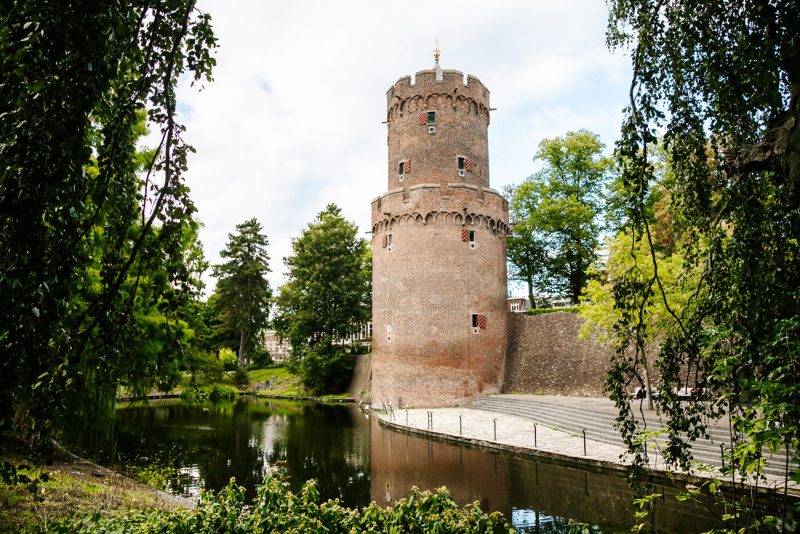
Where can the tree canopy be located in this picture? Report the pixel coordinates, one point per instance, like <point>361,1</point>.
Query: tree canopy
<point>83,237</point>
<point>327,295</point>
<point>720,82</point>
<point>242,285</point>
<point>555,215</point>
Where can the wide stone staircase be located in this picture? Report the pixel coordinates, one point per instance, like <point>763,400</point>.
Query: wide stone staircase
<point>597,418</point>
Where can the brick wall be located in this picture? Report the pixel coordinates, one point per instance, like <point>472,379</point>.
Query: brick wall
<point>544,355</point>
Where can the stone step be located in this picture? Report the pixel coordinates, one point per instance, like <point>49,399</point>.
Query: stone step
<point>718,433</point>
<point>599,425</point>
<point>585,418</point>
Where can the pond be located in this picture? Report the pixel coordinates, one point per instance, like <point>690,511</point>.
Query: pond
<point>356,460</point>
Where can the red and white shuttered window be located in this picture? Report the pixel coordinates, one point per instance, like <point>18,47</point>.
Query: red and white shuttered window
<point>468,236</point>
<point>479,322</point>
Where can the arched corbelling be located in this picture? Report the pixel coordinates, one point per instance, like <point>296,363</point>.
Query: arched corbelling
<point>438,101</point>
<point>496,226</point>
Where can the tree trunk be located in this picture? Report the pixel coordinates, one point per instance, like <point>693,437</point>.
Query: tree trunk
<point>529,280</point>
<point>244,338</point>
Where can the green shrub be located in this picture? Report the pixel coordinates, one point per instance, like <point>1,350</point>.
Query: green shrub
<point>191,394</point>
<point>240,377</point>
<point>327,369</point>
<point>217,392</point>
<point>261,359</point>
<point>277,509</point>
<point>213,393</point>
<point>228,359</point>
<point>540,311</point>
<point>155,476</point>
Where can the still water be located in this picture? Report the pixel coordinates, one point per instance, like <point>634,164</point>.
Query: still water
<point>356,460</point>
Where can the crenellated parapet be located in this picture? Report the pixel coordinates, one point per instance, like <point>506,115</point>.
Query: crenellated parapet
<point>451,94</point>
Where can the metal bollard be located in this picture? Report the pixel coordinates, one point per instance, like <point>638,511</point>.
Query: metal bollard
<point>495,429</point>
<point>584,442</point>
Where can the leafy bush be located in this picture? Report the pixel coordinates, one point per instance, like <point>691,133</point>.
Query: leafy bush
<point>261,358</point>
<point>240,377</point>
<point>540,311</point>
<point>216,392</point>
<point>155,476</point>
<point>228,359</point>
<point>276,509</point>
<point>213,393</point>
<point>327,368</point>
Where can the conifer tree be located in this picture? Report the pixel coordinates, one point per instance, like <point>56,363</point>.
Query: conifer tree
<point>242,285</point>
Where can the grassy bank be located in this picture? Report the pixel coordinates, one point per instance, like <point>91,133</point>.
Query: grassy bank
<point>74,487</point>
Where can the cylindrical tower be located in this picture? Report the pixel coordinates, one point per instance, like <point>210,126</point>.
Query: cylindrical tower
<point>438,248</point>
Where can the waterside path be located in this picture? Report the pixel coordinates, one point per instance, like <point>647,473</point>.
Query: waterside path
<point>553,427</point>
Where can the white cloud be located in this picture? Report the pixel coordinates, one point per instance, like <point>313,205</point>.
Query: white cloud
<point>292,121</point>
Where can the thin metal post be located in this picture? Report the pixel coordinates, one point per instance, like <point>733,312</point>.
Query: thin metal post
<point>406,416</point>
<point>495,429</point>
<point>534,435</point>
<point>459,425</point>
<point>722,453</point>
<point>584,442</point>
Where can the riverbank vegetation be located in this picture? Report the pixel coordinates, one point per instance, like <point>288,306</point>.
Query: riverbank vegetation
<point>88,506</point>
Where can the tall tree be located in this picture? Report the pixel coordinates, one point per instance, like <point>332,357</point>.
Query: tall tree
<point>72,79</point>
<point>721,80</point>
<point>556,214</point>
<point>242,284</point>
<point>327,295</point>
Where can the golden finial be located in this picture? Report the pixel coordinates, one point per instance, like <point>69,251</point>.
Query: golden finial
<point>436,51</point>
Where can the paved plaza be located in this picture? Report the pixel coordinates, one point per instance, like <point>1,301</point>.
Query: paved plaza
<point>526,435</point>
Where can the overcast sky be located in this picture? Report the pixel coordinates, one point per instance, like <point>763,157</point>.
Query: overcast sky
<point>293,118</point>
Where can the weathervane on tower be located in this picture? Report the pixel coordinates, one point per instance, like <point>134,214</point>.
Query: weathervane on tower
<point>436,54</point>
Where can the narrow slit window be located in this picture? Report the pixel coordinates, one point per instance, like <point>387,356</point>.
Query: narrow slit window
<point>431,118</point>
<point>389,240</point>
<point>474,320</point>
<point>472,236</point>
<point>402,169</point>
<point>460,163</point>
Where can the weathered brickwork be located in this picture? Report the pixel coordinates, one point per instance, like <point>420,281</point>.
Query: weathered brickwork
<point>544,355</point>
<point>438,249</point>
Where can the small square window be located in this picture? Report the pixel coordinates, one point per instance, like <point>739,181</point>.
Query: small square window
<point>431,118</point>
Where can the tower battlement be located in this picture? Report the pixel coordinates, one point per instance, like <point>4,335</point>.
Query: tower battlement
<point>427,81</point>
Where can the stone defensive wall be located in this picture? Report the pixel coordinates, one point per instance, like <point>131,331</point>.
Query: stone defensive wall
<point>545,355</point>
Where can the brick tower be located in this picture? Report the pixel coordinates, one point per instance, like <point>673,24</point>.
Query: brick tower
<point>438,248</point>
